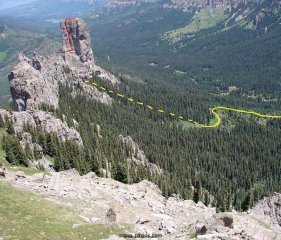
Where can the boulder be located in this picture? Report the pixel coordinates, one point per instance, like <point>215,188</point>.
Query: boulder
<point>224,219</point>
<point>200,228</point>
<point>219,221</point>
<point>44,164</point>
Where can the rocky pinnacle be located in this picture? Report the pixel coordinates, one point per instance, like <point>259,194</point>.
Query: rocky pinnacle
<point>77,40</point>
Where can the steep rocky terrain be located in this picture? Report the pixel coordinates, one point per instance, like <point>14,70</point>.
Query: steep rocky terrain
<point>36,81</point>
<point>45,121</point>
<point>138,156</point>
<point>141,206</point>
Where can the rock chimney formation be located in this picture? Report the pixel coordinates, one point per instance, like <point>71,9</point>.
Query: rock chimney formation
<point>35,81</point>
<point>76,47</point>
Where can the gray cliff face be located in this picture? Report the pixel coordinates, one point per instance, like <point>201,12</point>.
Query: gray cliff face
<point>44,120</point>
<point>138,156</point>
<point>31,85</point>
<point>35,81</point>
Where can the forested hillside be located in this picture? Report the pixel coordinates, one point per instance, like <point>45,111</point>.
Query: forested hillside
<point>219,64</point>
<point>223,159</point>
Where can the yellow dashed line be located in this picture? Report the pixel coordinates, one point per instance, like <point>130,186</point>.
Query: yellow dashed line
<point>213,110</point>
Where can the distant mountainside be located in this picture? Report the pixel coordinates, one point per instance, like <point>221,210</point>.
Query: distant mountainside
<point>13,40</point>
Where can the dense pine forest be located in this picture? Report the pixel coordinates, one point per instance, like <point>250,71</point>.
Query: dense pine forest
<point>238,161</point>
<point>228,167</point>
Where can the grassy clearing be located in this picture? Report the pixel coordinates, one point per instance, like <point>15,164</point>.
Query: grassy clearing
<point>186,125</point>
<point>24,215</point>
<point>207,18</point>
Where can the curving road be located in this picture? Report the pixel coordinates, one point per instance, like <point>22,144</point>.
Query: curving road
<point>213,110</point>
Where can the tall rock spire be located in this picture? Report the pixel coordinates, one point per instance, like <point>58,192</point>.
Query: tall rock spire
<point>77,41</point>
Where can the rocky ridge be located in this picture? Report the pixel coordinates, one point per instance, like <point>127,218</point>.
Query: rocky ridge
<point>44,120</point>
<point>247,13</point>
<point>270,210</point>
<point>103,200</point>
<point>138,156</point>
<point>35,81</point>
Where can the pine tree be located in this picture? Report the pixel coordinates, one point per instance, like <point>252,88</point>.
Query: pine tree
<point>10,128</point>
<point>121,173</point>
<point>14,151</point>
<point>2,122</point>
<point>206,198</point>
<point>35,152</point>
<point>248,201</point>
<point>189,189</point>
<point>197,196</point>
<point>28,152</point>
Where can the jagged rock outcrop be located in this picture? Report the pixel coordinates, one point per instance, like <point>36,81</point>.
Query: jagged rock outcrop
<point>269,209</point>
<point>35,81</point>
<point>46,121</point>
<point>32,84</point>
<point>142,207</point>
<point>77,39</point>
<point>138,156</point>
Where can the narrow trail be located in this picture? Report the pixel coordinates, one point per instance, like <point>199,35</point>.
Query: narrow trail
<point>214,110</point>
